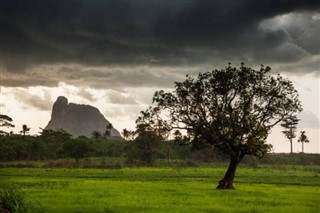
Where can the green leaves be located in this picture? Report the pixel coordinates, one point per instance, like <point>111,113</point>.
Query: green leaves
<point>14,200</point>
<point>232,108</point>
<point>303,138</point>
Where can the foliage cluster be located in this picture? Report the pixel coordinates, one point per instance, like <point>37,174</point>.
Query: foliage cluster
<point>36,151</point>
<point>14,200</point>
<point>145,149</point>
<point>5,121</point>
<point>52,144</point>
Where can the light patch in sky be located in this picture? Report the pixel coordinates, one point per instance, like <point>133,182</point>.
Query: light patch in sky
<point>282,144</point>
<point>316,17</point>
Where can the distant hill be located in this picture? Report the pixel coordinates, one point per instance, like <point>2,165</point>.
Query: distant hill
<point>78,119</point>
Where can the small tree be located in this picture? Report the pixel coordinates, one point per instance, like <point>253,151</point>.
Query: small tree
<point>290,125</point>
<point>159,128</point>
<point>232,109</point>
<point>145,146</point>
<point>107,133</point>
<point>96,135</point>
<point>303,139</point>
<point>25,129</point>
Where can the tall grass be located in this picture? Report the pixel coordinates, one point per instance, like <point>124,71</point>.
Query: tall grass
<point>14,200</point>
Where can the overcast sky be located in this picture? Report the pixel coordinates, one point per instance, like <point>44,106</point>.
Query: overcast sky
<point>115,54</point>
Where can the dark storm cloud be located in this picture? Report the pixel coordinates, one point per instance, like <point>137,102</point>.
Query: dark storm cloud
<point>157,33</point>
<point>117,77</point>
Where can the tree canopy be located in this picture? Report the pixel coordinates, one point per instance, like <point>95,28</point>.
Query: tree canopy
<point>5,121</point>
<point>290,127</point>
<point>303,139</point>
<point>25,129</point>
<point>232,109</point>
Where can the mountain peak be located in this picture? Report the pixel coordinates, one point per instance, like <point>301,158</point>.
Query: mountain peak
<point>63,100</point>
<point>78,119</point>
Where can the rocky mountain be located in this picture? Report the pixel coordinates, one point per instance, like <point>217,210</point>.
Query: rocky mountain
<point>78,119</point>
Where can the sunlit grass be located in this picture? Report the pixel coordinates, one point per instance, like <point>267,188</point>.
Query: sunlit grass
<point>167,189</point>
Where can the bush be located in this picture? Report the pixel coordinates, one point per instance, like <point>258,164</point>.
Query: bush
<point>14,200</point>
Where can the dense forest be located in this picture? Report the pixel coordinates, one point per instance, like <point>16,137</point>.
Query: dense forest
<point>59,148</point>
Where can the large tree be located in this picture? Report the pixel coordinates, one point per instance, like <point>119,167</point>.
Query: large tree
<point>232,109</point>
<point>145,147</point>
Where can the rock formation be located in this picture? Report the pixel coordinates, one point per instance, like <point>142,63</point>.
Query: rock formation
<point>78,119</point>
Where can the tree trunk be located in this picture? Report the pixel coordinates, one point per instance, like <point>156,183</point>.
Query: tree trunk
<point>227,180</point>
<point>291,139</point>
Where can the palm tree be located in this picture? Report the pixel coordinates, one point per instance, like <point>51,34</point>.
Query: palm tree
<point>25,129</point>
<point>303,139</point>
<point>107,133</point>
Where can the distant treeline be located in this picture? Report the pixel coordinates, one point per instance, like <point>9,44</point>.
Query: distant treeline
<point>52,145</point>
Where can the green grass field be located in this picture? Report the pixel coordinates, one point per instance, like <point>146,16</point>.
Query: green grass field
<point>281,189</point>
